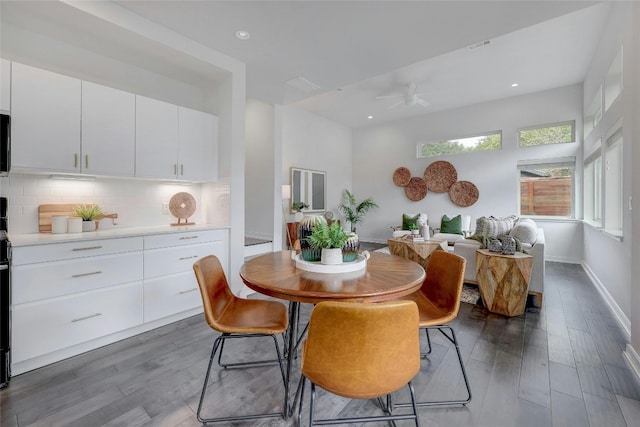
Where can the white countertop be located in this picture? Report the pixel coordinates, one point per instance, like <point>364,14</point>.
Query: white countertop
<point>45,238</point>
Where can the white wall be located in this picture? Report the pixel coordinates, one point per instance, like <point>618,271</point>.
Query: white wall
<point>259,170</point>
<point>608,259</point>
<point>634,351</point>
<point>380,150</point>
<point>313,142</point>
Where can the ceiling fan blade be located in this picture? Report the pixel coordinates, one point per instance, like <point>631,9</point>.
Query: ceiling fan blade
<point>422,102</point>
<point>395,105</point>
<point>389,96</point>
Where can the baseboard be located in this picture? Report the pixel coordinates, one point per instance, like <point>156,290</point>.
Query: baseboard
<point>622,319</point>
<point>633,359</point>
<point>564,260</point>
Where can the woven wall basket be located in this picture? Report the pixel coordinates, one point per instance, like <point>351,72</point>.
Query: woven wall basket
<point>440,176</point>
<point>463,193</point>
<point>416,189</point>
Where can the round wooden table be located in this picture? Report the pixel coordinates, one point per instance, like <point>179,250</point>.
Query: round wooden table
<point>385,277</point>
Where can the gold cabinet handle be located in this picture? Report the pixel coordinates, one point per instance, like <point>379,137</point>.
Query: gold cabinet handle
<point>86,161</point>
<point>79,319</point>
<point>187,257</point>
<point>182,169</point>
<point>75,160</point>
<point>188,237</point>
<point>175,169</point>
<point>187,291</point>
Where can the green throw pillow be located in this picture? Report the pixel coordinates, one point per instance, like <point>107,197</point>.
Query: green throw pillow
<point>410,221</point>
<point>451,226</point>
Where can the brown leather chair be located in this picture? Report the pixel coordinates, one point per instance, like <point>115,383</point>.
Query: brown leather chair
<point>361,351</point>
<point>236,318</point>
<point>438,302</point>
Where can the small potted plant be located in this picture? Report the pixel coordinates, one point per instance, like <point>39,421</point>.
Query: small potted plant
<point>331,239</point>
<point>89,214</point>
<point>413,228</point>
<point>297,207</point>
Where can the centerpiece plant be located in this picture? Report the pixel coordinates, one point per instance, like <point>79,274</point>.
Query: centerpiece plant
<point>331,239</point>
<point>88,213</point>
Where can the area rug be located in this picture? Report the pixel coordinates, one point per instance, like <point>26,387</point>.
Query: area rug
<point>470,293</point>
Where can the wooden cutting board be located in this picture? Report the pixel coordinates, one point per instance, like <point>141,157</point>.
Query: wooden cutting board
<point>45,212</point>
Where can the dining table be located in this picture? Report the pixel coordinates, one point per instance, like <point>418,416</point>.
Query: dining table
<point>384,277</point>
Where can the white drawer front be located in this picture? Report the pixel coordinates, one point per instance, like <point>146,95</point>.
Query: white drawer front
<point>189,238</point>
<point>68,250</point>
<point>46,326</point>
<point>178,259</point>
<point>34,282</point>
<point>169,295</point>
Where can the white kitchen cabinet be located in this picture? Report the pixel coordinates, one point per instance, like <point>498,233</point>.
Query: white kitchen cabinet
<point>65,294</point>
<point>197,145</point>
<point>170,285</point>
<point>108,131</point>
<point>45,120</point>
<point>156,139</point>
<point>5,85</point>
<point>53,324</point>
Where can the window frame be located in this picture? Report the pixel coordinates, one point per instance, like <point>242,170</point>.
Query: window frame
<point>419,145</point>
<point>613,204</point>
<point>572,123</point>
<point>549,163</point>
<point>592,199</point>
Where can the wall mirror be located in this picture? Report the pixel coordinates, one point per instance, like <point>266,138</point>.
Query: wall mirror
<point>309,186</point>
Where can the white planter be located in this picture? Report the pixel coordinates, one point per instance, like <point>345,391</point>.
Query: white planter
<point>331,256</point>
<point>88,226</point>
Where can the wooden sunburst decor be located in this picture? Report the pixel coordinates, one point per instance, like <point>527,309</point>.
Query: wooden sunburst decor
<point>182,206</point>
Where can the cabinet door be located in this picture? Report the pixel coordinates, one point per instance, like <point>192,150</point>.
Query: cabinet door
<point>45,120</point>
<point>108,131</point>
<point>156,139</point>
<point>197,145</point>
<point>5,85</point>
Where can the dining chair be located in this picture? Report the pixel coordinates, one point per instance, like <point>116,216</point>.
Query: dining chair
<point>236,318</point>
<point>438,301</point>
<point>361,351</point>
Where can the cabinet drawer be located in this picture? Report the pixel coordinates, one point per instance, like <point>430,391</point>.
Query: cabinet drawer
<point>169,295</point>
<point>178,259</point>
<point>34,282</point>
<point>178,239</point>
<point>46,326</point>
<point>69,250</point>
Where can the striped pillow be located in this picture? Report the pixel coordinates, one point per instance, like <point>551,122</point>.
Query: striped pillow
<point>494,227</point>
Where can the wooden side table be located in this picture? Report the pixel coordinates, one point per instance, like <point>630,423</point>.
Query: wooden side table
<point>503,281</point>
<point>416,251</point>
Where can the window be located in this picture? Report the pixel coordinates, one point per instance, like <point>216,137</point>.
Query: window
<point>613,203</point>
<point>485,142</point>
<point>613,81</point>
<point>593,188</point>
<point>557,133</point>
<point>593,112</point>
<point>546,187</point>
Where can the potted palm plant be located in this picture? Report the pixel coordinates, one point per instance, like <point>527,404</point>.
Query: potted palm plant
<point>353,211</point>
<point>331,239</point>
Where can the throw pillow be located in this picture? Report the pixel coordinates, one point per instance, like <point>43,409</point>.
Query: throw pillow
<point>409,222</point>
<point>451,225</point>
<point>525,230</point>
<point>494,226</point>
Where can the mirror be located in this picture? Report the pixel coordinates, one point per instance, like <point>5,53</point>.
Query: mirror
<point>309,186</point>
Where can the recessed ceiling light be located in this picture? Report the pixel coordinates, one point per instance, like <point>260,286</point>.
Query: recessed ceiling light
<point>370,117</point>
<point>514,85</point>
<point>242,35</point>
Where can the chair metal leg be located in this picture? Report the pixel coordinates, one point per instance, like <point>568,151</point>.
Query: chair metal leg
<point>462,402</point>
<point>424,355</point>
<point>244,364</point>
<point>217,345</point>
<point>387,408</point>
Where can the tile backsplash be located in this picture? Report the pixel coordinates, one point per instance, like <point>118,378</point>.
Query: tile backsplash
<point>137,202</point>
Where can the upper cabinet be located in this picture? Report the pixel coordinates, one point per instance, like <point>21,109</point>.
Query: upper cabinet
<point>5,85</point>
<point>62,124</point>
<point>197,145</point>
<point>175,142</point>
<point>45,120</point>
<point>108,130</point>
<point>156,138</point>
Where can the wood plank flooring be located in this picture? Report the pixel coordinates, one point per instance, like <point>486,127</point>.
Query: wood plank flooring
<point>559,366</point>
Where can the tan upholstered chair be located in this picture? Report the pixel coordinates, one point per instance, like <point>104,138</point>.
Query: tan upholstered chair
<point>361,351</point>
<point>438,302</point>
<point>236,318</point>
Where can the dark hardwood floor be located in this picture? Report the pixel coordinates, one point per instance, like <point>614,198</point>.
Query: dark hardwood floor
<point>560,366</point>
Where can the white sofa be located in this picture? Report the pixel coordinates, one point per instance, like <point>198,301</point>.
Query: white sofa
<point>452,238</point>
<point>467,248</point>
<point>423,226</point>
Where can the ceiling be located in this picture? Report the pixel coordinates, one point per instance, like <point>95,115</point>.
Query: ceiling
<point>354,51</point>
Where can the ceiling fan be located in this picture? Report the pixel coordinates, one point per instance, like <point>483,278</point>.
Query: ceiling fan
<point>409,99</point>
